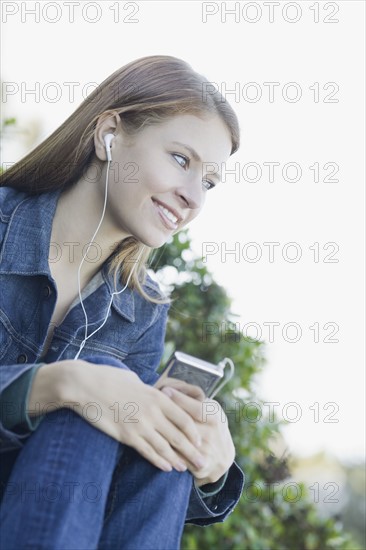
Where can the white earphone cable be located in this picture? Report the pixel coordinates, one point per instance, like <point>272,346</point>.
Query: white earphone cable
<point>113,293</point>
<point>226,379</point>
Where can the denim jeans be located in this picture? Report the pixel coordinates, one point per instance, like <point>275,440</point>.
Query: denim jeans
<point>73,487</point>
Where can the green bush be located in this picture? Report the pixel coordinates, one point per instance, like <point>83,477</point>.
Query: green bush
<point>274,513</point>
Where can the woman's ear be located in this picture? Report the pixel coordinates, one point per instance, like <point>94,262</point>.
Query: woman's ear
<point>109,122</point>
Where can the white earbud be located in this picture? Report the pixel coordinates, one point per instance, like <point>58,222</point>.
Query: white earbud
<point>107,140</point>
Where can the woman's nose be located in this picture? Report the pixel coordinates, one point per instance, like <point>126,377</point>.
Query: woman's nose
<point>192,193</point>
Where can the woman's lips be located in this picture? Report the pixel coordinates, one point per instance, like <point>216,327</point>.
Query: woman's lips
<point>169,224</point>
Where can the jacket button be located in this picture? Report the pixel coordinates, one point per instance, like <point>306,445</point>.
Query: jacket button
<point>22,358</point>
<point>46,291</point>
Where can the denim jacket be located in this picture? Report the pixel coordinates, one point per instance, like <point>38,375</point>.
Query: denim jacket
<point>133,334</point>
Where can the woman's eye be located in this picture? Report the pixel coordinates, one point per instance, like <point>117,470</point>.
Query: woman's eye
<point>184,163</point>
<point>208,184</point>
<point>185,160</point>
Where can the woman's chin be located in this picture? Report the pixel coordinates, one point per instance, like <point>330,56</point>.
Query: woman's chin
<point>159,243</point>
<point>155,242</point>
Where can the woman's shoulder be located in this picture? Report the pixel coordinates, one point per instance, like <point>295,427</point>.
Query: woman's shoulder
<point>9,200</point>
<point>152,287</point>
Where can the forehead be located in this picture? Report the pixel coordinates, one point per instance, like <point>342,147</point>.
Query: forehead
<point>208,136</point>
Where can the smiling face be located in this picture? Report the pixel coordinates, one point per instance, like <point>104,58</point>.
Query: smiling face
<point>159,179</point>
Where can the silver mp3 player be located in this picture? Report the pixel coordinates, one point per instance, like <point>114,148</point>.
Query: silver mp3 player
<point>193,371</point>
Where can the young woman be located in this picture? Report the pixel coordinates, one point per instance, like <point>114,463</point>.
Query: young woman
<point>94,453</point>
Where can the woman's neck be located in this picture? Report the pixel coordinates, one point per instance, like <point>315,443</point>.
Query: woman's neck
<point>78,213</point>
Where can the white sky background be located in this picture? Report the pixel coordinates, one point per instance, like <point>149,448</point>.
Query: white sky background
<point>303,132</point>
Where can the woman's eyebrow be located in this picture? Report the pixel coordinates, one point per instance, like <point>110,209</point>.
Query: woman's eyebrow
<point>196,157</point>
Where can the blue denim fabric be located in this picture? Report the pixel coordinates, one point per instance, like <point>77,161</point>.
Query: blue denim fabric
<point>75,488</point>
<point>132,337</point>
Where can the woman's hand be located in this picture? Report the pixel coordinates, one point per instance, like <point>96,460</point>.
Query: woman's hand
<point>118,403</point>
<point>217,444</point>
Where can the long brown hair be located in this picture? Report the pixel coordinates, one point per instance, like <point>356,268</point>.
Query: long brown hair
<point>146,91</point>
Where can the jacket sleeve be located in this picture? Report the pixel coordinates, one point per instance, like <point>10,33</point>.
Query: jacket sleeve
<point>14,409</point>
<point>216,508</point>
<point>14,379</point>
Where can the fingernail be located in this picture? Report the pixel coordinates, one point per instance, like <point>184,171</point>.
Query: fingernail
<point>200,462</point>
<point>181,467</point>
<point>168,391</point>
<point>166,467</point>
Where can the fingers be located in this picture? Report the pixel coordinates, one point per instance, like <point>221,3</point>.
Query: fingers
<point>192,406</point>
<point>179,430</point>
<point>180,445</point>
<point>160,449</point>
<point>145,449</point>
<point>160,427</point>
<point>182,419</point>
<point>188,389</point>
<point>164,427</point>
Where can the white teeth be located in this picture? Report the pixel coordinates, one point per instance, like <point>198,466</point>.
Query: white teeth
<point>168,214</point>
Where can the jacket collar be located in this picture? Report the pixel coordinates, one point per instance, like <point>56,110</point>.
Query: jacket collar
<point>26,242</point>
<point>124,303</point>
<point>26,246</point>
